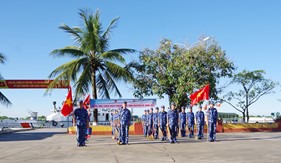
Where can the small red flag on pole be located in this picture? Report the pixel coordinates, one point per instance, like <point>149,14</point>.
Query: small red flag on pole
<point>67,107</point>
<point>86,102</point>
<point>202,94</point>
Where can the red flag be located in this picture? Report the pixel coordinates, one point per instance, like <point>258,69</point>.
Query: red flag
<point>202,94</point>
<point>67,107</point>
<point>86,102</point>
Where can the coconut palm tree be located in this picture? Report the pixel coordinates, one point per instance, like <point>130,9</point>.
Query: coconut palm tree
<point>3,99</point>
<point>94,65</point>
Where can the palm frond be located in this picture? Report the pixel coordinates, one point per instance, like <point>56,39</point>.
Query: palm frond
<point>124,51</point>
<point>2,58</point>
<point>75,32</point>
<point>113,56</point>
<point>67,71</point>
<point>107,33</point>
<point>105,37</point>
<point>4,100</point>
<point>118,72</point>
<point>72,51</point>
<point>134,65</point>
<point>83,83</point>
<point>112,85</point>
<point>70,68</point>
<point>57,80</point>
<point>102,86</point>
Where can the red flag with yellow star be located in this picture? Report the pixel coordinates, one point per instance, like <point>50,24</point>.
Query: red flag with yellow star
<point>86,102</point>
<point>67,107</point>
<point>202,94</point>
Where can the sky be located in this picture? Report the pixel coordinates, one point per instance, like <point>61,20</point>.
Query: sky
<point>248,31</point>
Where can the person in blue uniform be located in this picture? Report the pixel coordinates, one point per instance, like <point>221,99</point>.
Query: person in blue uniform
<point>200,121</point>
<point>183,121</point>
<point>145,123</point>
<point>212,121</point>
<point>125,121</point>
<point>163,122</point>
<point>156,123</point>
<point>173,117</point>
<point>118,128</point>
<point>190,121</point>
<point>150,121</point>
<point>115,124</point>
<point>89,130</point>
<point>112,124</point>
<point>81,121</point>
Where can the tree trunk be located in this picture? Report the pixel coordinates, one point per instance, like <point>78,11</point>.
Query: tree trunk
<point>247,114</point>
<point>246,107</point>
<point>243,116</point>
<point>94,94</point>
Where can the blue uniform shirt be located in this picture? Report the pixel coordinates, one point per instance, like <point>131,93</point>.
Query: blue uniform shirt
<point>163,118</point>
<point>125,117</point>
<point>190,118</point>
<point>144,119</point>
<point>81,116</point>
<point>213,115</point>
<point>156,118</point>
<point>182,117</point>
<point>200,117</point>
<point>173,117</point>
<point>116,117</point>
<point>150,118</point>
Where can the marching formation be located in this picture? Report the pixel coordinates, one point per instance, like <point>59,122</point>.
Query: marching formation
<point>172,122</point>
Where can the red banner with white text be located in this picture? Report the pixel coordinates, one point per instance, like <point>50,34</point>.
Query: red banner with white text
<point>30,84</point>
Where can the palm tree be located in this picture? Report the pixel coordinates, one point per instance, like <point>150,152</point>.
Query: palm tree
<point>3,99</point>
<point>94,65</point>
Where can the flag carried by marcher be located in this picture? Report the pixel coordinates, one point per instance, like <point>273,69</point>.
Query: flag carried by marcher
<point>202,94</point>
<point>67,107</point>
<point>86,102</point>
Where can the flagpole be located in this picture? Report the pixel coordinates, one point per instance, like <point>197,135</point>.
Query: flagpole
<point>68,121</point>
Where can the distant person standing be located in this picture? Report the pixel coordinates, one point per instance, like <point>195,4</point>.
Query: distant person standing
<point>163,122</point>
<point>200,121</point>
<point>190,121</point>
<point>173,117</point>
<point>115,120</point>
<point>112,123</point>
<point>156,123</point>
<point>183,122</point>
<point>150,122</point>
<point>125,120</point>
<point>117,124</point>
<point>80,119</point>
<point>145,123</point>
<point>89,129</point>
<point>212,121</point>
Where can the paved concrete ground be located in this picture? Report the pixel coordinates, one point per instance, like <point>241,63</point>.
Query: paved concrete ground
<point>54,145</point>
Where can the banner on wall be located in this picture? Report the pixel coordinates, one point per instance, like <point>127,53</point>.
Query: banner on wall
<point>29,84</point>
<point>117,103</point>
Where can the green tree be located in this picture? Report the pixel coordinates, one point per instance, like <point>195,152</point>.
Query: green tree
<point>253,86</point>
<point>3,117</point>
<point>94,65</point>
<point>3,99</point>
<point>41,118</point>
<point>177,72</point>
